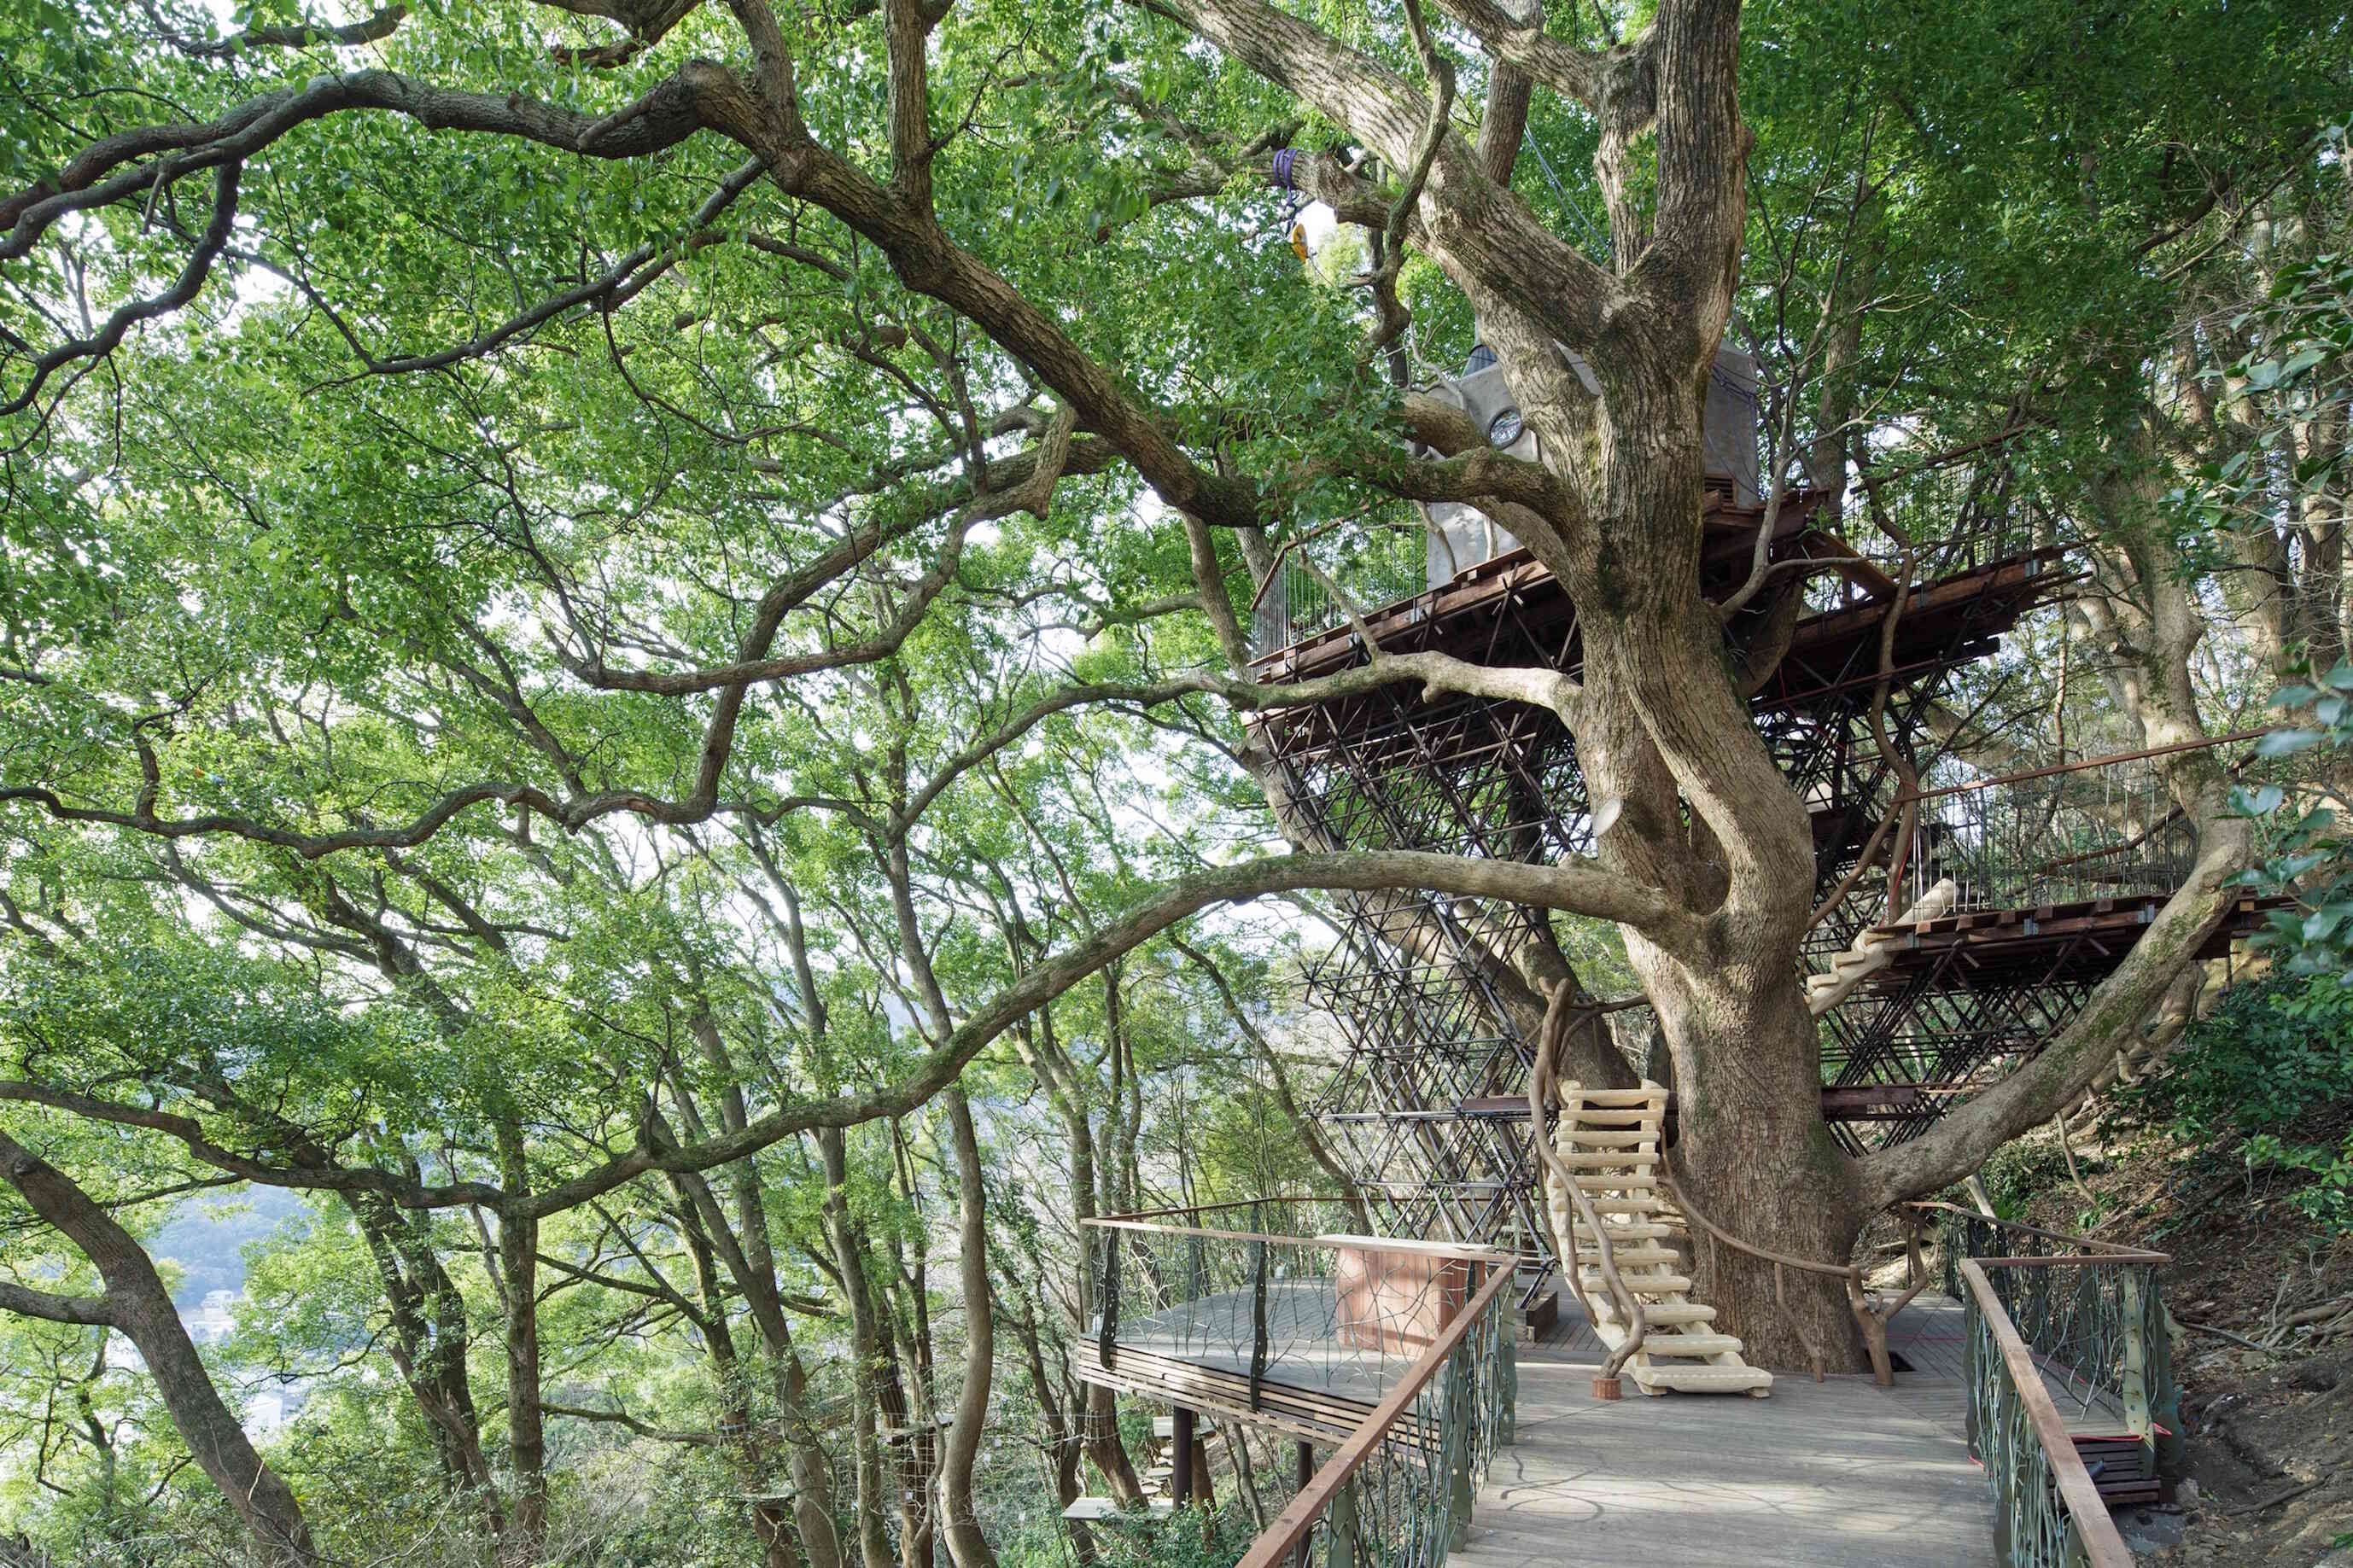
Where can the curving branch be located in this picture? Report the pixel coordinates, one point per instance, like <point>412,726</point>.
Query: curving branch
<point>191,1135</point>
<point>370,30</point>
<point>1524,45</point>
<point>615,286</point>
<point>2059,1073</point>
<point>100,343</point>
<point>130,163</point>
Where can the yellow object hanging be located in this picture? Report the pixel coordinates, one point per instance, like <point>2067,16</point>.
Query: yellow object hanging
<point>1299,239</point>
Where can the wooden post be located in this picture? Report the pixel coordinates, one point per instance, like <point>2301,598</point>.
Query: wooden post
<point>1305,1471</point>
<point>1180,1457</point>
<point>2132,1299</point>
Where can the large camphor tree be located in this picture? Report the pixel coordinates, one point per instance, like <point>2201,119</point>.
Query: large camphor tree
<point>455,453</point>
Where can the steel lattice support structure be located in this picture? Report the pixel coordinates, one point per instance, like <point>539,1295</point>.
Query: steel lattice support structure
<point>1423,1105</point>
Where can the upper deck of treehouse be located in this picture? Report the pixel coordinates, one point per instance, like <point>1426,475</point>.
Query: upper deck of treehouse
<point>1511,610</point>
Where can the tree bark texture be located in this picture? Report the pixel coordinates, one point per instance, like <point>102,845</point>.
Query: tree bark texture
<point>137,1303</point>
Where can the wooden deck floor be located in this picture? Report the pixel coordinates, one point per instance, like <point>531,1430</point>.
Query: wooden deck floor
<point>1834,1473</point>
<point>1930,1337</point>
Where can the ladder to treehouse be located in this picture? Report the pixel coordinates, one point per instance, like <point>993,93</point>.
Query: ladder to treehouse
<point>1610,1139</point>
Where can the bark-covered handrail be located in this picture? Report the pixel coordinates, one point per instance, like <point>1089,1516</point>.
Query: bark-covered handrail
<point>2112,1251</point>
<point>1870,1315</point>
<point>1560,1004</point>
<point>1781,1261</point>
<point>2084,765</point>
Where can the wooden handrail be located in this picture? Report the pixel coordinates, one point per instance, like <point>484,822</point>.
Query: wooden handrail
<point>1460,1251</point>
<point>2086,1510</point>
<point>1292,1526</point>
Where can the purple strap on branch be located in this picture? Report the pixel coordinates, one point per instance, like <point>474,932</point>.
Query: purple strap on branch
<point>1282,160</point>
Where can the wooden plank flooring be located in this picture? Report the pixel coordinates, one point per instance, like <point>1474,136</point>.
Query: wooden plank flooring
<point>1932,1335</point>
<point>1835,1473</point>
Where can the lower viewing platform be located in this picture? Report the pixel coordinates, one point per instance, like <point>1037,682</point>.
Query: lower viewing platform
<point>1430,1423</point>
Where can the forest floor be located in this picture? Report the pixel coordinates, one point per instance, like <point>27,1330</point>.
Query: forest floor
<point>2263,1350</point>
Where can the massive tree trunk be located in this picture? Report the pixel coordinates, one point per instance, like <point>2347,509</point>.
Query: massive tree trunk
<point>137,1303</point>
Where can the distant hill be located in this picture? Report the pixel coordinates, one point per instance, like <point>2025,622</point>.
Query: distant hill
<point>205,1237</point>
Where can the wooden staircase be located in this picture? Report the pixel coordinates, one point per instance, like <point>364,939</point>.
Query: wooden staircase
<point>1871,950</point>
<point>1609,1138</point>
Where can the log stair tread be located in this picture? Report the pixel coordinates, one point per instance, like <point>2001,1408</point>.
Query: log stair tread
<point>1610,1139</point>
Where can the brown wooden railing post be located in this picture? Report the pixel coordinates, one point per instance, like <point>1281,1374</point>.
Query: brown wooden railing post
<point>1107,1332</point>
<point>1258,1315</point>
<point>1180,1459</point>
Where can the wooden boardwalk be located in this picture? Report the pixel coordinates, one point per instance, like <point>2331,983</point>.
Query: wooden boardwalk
<point>1838,1472</point>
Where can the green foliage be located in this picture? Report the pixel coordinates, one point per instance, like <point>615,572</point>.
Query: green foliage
<point>2300,359</point>
<point>2268,1081</point>
<point>2304,855</point>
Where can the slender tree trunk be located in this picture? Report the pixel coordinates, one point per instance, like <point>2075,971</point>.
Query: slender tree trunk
<point>518,1261</point>
<point>849,1257</point>
<point>749,1255</point>
<point>1099,1424</point>
<point>1066,1454</point>
<point>429,1343</point>
<point>137,1302</point>
<point>966,1544</point>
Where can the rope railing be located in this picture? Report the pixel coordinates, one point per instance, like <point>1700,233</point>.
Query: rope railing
<point>1872,1312</point>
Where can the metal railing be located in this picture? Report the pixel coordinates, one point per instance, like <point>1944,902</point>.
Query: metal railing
<point>2047,1509</point>
<point>2066,1340</point>
<point>2098,827</point>
<point>1308,1324</point>
<point>2092,1311</point>
<point>1398,1492</point>
<point>1295,599</point>
<point>1401,1350</point>
<point>1948,517</point>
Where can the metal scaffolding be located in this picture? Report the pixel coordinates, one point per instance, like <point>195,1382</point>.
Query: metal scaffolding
<point>1423,1105</point>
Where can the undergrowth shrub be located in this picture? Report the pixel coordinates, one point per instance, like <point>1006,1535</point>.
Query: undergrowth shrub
<point>2268,1080</point>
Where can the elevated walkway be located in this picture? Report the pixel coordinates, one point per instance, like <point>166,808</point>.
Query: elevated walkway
<point>1838,1472</point>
